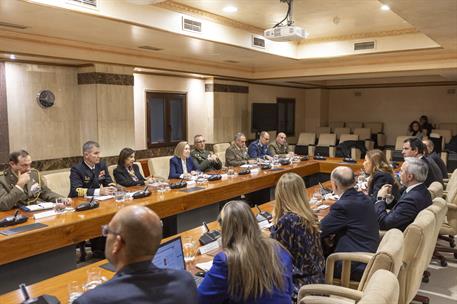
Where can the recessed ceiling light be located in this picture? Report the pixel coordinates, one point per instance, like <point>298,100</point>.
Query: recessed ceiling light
<point>385,7</point>
<point>13,57</point>
<point>230,9</point>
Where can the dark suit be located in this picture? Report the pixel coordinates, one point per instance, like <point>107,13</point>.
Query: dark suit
<point>123,177</point>
<point>406,209</point>
<point>434,172</point>
<point>84,181</point>
<point>353,219</point>
<point>176,167</point>
<point>380,179</point>
<point>142,283</point>
<point>440,163</point>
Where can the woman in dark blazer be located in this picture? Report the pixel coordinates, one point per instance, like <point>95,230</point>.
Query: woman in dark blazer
<point>381,173</point>
<point>127,173</point>
<point>181,164</point>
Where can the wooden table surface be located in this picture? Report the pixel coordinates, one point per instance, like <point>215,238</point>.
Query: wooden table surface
<point>58,285</point>
<point>73,227</point>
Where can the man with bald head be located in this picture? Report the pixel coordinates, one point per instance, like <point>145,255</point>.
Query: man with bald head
<point>259,148</point>
<point>132,239</point>
<point>279,147</point>
<point>352,219</point>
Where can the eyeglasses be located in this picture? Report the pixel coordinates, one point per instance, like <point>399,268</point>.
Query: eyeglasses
<point>106,230</point>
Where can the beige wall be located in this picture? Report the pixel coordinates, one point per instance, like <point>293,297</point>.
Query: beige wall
<point>81,112</point>
<point>199,107</point>
<point>395,107</point>
<point>45,133</point>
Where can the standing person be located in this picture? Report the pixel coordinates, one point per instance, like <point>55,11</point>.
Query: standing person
<point>127,173</point>
<point>252,268</point>
<point>133,237</point>
<point>296,227</point>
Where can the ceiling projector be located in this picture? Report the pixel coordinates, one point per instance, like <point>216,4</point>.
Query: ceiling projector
<point>285,33</point>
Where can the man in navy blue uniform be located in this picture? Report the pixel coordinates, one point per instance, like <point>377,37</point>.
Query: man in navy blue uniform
<point>90,176</point>
<point>415,198</point>
<point>259,148</point>
<point>352,219</point>
<point>133,237</point>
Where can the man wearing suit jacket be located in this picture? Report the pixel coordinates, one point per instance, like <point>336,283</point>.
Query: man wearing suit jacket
<point>352,219</point>
<point>133,237</point>
<point>430,147</point>
<point>415,198</point>
<point>413,147</point>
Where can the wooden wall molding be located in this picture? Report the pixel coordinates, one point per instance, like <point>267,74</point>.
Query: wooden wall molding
<point>4,134</point>
<point>226,88</point>
<point>105,78</point>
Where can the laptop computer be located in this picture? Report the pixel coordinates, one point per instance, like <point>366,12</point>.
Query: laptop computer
<point>169,255</point>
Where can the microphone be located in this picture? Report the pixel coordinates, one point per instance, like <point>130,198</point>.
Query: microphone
<point>209,236</point>
<point>263,215</point>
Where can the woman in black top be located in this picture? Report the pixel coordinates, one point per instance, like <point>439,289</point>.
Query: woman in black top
<point>127,173</point>
<point>415,129</point>
<point>425,125</point>
<point>380,173</point>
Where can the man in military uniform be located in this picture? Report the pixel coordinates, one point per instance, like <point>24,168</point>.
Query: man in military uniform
<point>22,185</point>
<point>280,146</point>
<point>90,177</point>
<point>237,154</point>
<point>259,147</point>
<point>204,159</point>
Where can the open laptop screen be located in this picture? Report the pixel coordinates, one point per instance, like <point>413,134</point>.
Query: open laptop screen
<point>170,255</point>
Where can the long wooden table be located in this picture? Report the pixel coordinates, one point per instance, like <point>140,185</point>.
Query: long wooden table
<point>58,286</point>
<point>70,228</point>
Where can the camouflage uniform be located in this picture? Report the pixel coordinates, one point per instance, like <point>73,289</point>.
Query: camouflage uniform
<point>277,149</point>
<point>33,192</point>
<point>200,158</point>
<point>235,156</point>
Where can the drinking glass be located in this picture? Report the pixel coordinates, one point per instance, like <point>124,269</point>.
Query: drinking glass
<point>75,289</point>
<point>119,196</point>
<point>316,199</point>
<point>230,172</point>
<point>60,205</point>
<point>190,249</point>
<point>94,278</point>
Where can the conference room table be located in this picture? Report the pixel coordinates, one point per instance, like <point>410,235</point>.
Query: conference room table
<point>35,255</point>
<point>58,285</point>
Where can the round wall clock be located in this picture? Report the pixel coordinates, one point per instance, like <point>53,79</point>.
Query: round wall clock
<point>46,98</point>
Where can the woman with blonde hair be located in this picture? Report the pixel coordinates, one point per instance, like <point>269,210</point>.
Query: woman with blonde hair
<point>251,268</point>
<point>296,227</point>
<point>380,173</point>
<point>181,164</point>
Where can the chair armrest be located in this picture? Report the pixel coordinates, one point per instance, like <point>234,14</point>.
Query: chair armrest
<point>330,290</point>
<point>451,207</point>
<point>347,258</point>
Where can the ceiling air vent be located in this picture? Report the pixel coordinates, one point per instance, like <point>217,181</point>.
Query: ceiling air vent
<point>84,3</point>
<point>12,25</point>
<point>367,45</point>
<point>191,25</point>
<point>258,42</point>
<point>150,48</point>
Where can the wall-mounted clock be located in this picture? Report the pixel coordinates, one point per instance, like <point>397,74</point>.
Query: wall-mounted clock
<point>46,98</point>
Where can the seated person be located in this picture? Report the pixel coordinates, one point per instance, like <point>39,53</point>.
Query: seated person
<point>204,159</point>
<point>127,173</point>
<point>252,268</point>
<point>352,219</point>
<point>90,176</point>
<point>181,164</point>
<point>296,227</point>
<point>259,148</point>
<point>415,130</point>
<point>237,154</point>
<point>380,173</point>
<point>133,237</point>
<point>429,151</point>
<point>415,198</point>
<point>20,184</point>
<point>280,146</point>
<point>413,147</point>
<point>425,125</point>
